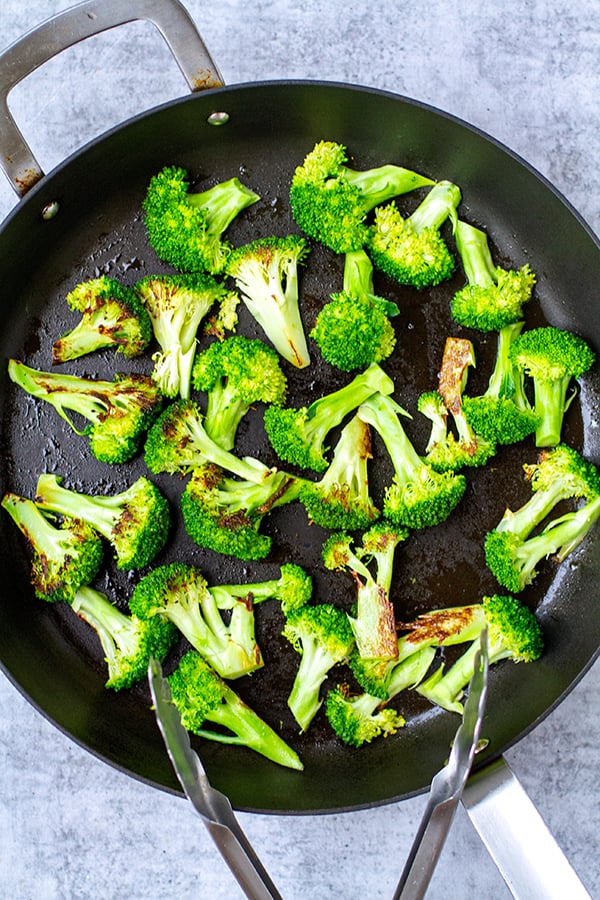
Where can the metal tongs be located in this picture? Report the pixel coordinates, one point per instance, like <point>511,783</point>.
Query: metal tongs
<point>212,806</point>
<point>446,788</point>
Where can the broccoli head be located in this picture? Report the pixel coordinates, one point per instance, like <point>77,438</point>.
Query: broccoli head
<point>65,557</point>
<point>136,521</point>
<point>330,201</point>
<point>493,297</point>
<point>201,696</point>
<point>112,316</point>
<point>186,229</point>
<point>119,412</point>
<point>412,250</point>
<point>236,374</point>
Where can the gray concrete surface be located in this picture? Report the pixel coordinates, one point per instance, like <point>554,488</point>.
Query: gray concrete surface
<point>72,828</point>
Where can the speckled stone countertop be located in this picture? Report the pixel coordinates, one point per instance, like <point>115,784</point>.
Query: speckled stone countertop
<point>71,826</point>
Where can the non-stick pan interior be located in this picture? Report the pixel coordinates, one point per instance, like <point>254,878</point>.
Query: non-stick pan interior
<point>55,659</point>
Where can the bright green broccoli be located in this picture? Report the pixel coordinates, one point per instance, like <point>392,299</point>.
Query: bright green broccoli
<point>358,719</point>
<point>112,316</point>
<point>493,297</point>
<point>119,412</point>
<point>341,500</point>
<point>446,451</point>
<point>225,514</point>
<point>201,696</point>
<point>330,201</point>
<point>373,620</point>
<point>179,593</point>
<point>298,435</point>
<point>292,589</point>
<point>513,633</point>
<point>136,521</point>
<point>418,496</point>
<point>552,357</point>
<point>64,557</point>
<point>322,635</point>
<point>353,329</point>
<point>236,374</point>
<point>127,642</point>
<point>512,554</point>
<point>266,274</point>
<point>176,304</point>
<point>503,414</point>
<point>412,250</point>
<point>185,228</point>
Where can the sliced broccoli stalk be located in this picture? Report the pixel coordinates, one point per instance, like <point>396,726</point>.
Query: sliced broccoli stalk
<point>322,635</point>
<point>292,589</point>
<point>493,297</point>
<point>353,329</point>
<point>118,412</point>
<point>201,696</point>
<point>503,414</point>
<point>127,642</point>
<point>513,633</point>
<point>266,274</point>
<point>187,229</point>
<point>112,316</point>
<point>298,435</point>
<point>65,557</point>
<point>180,594</point>
<point>552,357</point>
<point>374,622</point>
<point>412,250</point>
<point>135,521</point>
<point>341,500</point>
<point>446,451</point>
<point>330,201</point>
<point>418,496</point>
<point>438,628</point>
<point>236,374</point>
<point>176,304</point>
<point>224,514</point>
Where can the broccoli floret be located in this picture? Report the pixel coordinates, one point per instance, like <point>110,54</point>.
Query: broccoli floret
<point>225,514</point>
<point>186,229</point>
<point>225,318</point>
<point>330,201</point>
<point>418,496</point>
<point>112,316</point>
<point>439,628</point>
<point>200,696</point>
<point>503,414</point>
<point>359,719</point>
<point>292,589</point>
<point>180,594</point>
<point>412,250</point>
<point>128,642</point>
<point>135,521</point>
<point>374,621</point>
<point>236,374</point>
<point>513,633</point>
<point>354,330</point>
<point>552,357</point>
<point>266,274</point>
<point>119,412</point>
<point>298,435</point>
<point>493,297</point>
<point>322,635</point>
<point>176,304</point>
<point>446,451</point>
<point>341,500</point>
<point>560,474</point>
<point>64,557</point>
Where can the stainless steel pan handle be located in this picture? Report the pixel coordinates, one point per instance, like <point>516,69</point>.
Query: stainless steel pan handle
<point>74,25</point>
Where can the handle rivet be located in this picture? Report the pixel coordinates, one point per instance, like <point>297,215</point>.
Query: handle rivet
<point>50,210</point>
<point>218,118</point>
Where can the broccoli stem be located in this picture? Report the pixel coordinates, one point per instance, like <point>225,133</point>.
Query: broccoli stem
<point>446,689</point>
<point>47,540</point>
<point>329,410</point>
<point>102,512</point>
<point>439,204</point>
<point>382,183</point>
<point>473,247</point>
<point>541,503</point>
<point>304,700</point>
<point>114,628</point>
<point>382,413</point>
<point>506,381</point>
<point>223,414</point>
<point>561,537</point>
<point>550,404</point>
<point>61,391</point>
<point>222,204</point>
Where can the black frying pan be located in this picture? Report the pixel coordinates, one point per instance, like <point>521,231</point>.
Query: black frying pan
<point>54,659</point>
